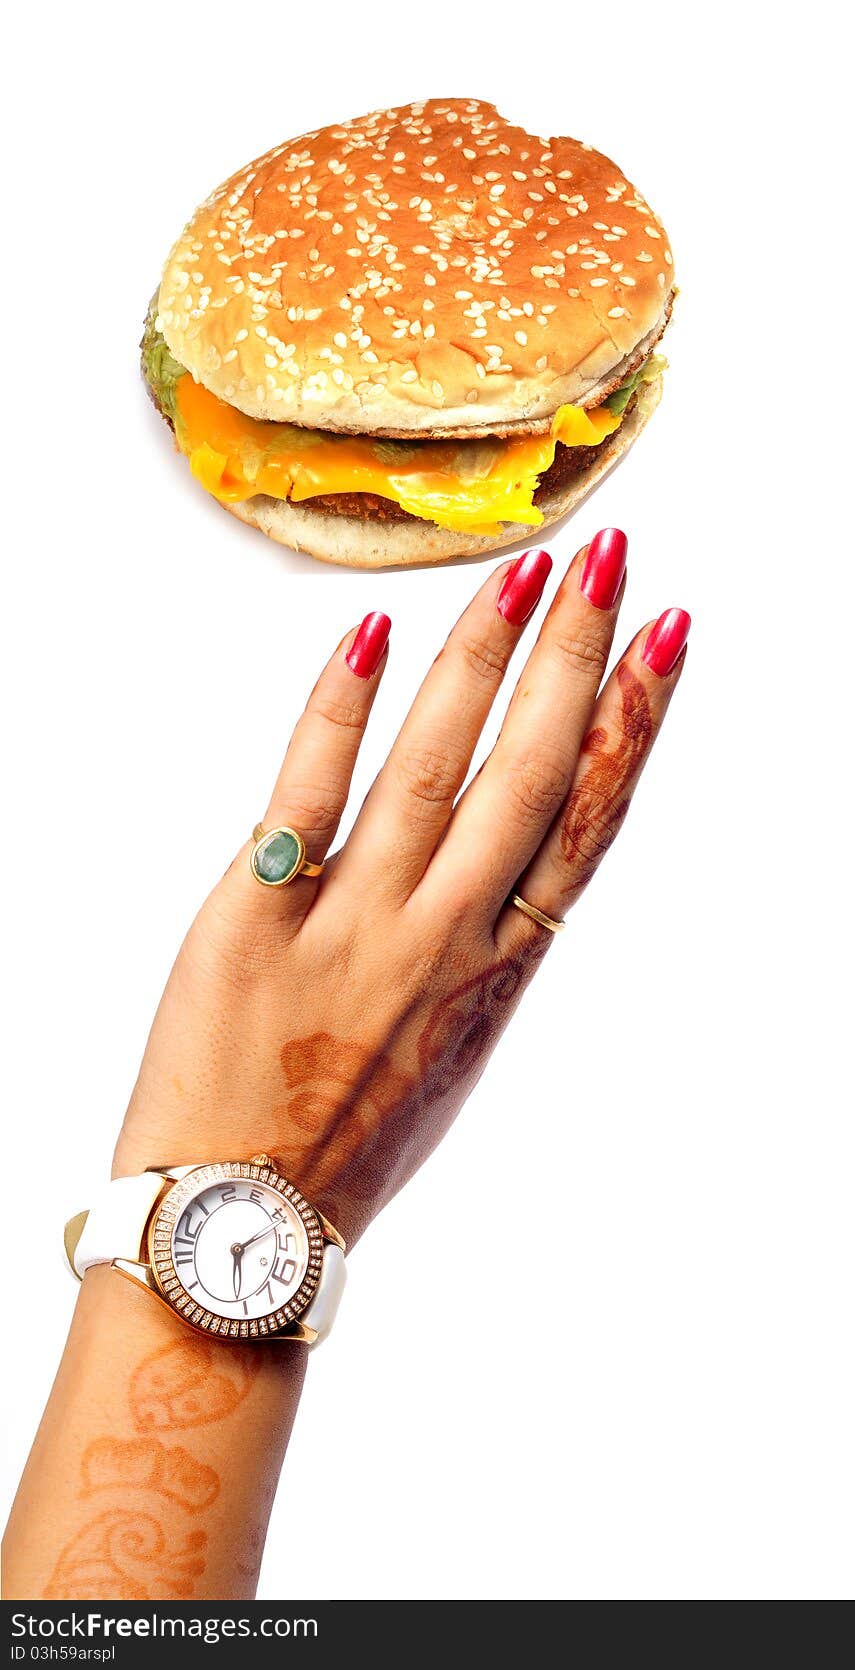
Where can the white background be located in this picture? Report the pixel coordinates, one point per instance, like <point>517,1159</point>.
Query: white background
<point>671,1413</point>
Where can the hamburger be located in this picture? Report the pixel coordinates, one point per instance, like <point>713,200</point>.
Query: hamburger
<point>412,336</point>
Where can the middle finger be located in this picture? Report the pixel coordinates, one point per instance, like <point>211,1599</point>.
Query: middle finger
<point>408,809</point>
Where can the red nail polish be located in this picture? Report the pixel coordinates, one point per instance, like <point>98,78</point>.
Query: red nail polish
<point>665,641</point>
<point>366,651</point>
<point>522,587</point>
<point>604,568</point>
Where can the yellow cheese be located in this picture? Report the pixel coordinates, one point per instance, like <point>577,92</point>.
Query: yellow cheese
<point>473,486</point>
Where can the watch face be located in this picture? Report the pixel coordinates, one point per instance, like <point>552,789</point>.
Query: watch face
<point>236,1249</point>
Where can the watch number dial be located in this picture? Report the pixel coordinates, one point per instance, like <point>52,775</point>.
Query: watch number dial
<point>236,1249</point>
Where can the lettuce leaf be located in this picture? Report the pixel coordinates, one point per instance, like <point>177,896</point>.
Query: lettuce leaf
<point>160,368</point>
<point>652,368</point>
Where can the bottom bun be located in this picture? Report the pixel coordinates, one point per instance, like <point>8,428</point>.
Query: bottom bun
<point>357,543</point>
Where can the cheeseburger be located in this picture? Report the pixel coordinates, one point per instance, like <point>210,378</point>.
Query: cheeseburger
<point>412,336</point>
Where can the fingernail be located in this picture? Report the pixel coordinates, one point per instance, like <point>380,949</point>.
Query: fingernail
<point>604,569</point>
<point>366,651</point>
<point>665,641</point>
<point>522,587</point>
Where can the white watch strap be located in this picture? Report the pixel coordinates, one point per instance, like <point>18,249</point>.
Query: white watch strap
<point>115,1222</point>
<point>320,1314</point>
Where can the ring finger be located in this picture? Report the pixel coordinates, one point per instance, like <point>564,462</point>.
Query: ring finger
<point>625,723</point>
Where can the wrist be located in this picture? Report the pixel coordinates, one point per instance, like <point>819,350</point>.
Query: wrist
<point>134,1462</point>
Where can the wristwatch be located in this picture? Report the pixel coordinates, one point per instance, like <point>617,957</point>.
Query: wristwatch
<point>231,1247</point>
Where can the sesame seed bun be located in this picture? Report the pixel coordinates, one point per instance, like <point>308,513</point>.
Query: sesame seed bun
<point>430,269</point>
<point>359,542</point>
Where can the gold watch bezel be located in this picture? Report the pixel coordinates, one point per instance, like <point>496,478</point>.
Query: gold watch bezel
<point>169,1285</point>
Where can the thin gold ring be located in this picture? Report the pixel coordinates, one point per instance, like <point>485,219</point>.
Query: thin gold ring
<point>537,915</point>
<point>279,856</point>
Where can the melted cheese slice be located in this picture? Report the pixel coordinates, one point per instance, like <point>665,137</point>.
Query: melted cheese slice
<point>473,486</point>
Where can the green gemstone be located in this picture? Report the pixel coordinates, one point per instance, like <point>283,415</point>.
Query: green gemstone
<point>277,857</point>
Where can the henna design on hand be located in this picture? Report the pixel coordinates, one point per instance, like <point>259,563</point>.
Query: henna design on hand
<point>188,1385</point>
<point>597,807</point>
<point>146,1464</point>
<point>341,1091</point>
<point>357,1124</point>
<point>125,1555</point>
<point>464,1026</point>
<point>342,1095</point>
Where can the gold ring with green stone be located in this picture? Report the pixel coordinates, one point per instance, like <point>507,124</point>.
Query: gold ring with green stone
<point>279,855</point>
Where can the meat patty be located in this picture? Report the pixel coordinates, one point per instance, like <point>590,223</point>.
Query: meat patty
<point>568,463</point>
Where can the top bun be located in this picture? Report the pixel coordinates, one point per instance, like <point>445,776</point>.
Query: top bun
<point>430,269</point>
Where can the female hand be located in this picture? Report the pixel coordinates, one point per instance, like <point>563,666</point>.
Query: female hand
<point>340,1022</point>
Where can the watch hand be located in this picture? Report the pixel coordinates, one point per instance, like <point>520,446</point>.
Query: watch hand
<point>258,1237</point>
<point>238,1250</point>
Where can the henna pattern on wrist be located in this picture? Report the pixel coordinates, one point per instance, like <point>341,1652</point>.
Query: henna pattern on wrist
<point>597,807</point>
<point>146,1464</point>
<point>253,1541</point>
<point>187,1385</point>
<point>125,1553</point>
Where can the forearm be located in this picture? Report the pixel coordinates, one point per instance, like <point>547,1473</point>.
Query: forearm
<point>339,1023</point>
<point>133,1489</point>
